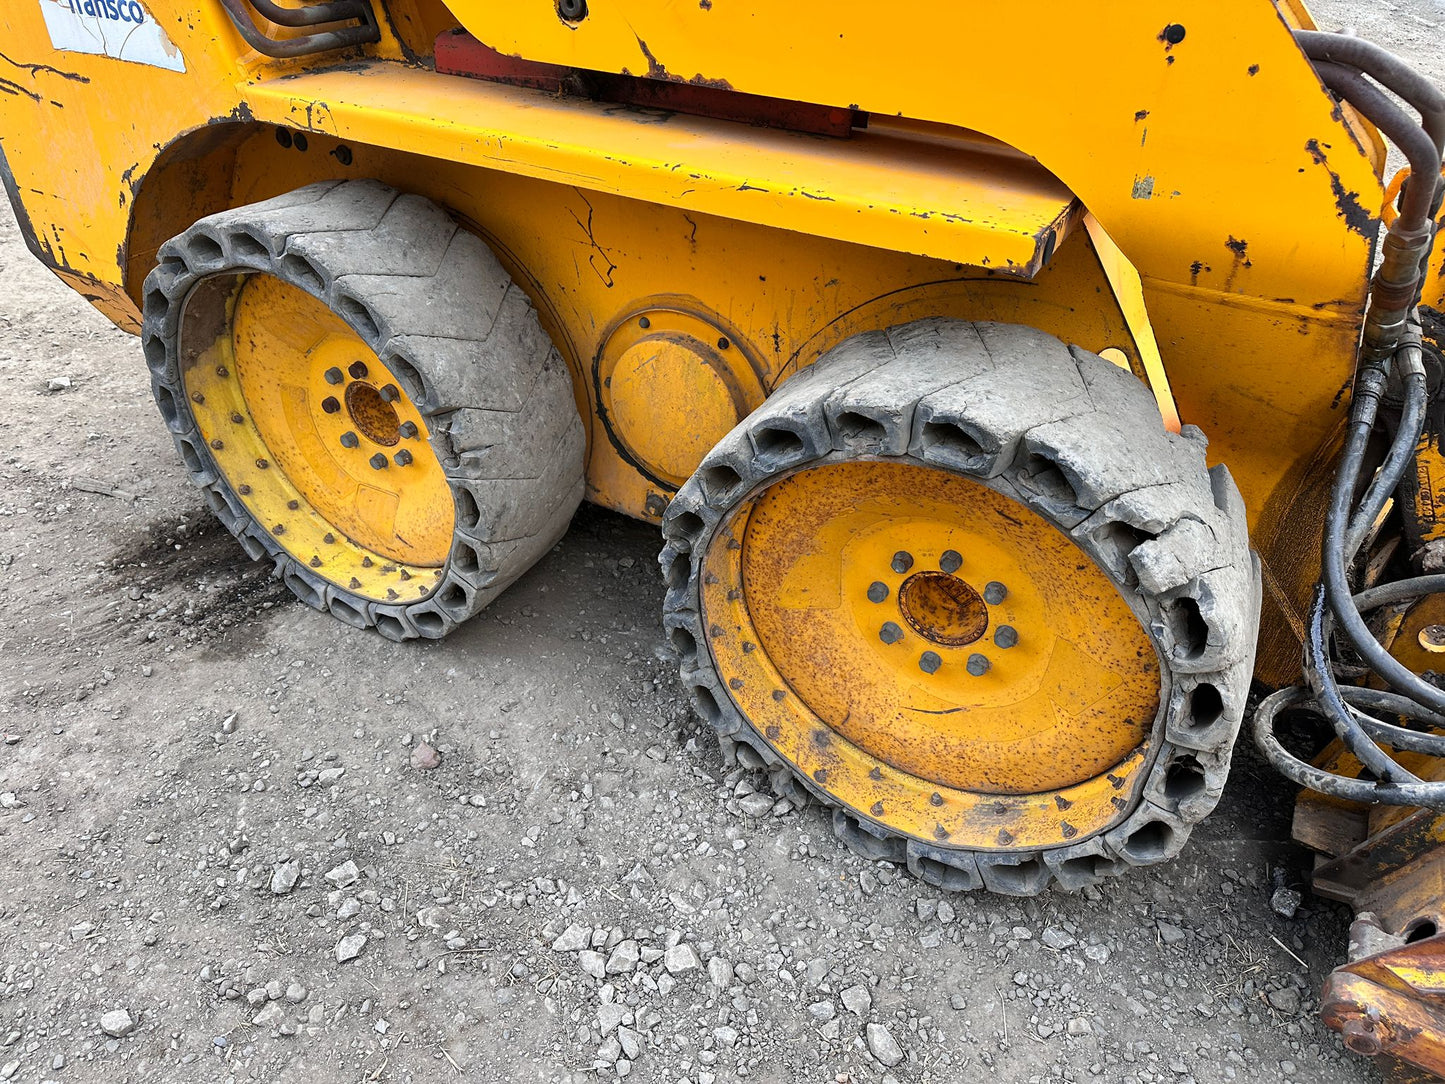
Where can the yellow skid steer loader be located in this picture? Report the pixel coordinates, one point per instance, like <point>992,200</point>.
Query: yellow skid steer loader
<point>1007,409</point>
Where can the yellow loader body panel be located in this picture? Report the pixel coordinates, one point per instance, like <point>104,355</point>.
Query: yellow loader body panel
<point>1233,206</point>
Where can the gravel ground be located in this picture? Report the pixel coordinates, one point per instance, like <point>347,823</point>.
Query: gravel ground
<point>247,843</point>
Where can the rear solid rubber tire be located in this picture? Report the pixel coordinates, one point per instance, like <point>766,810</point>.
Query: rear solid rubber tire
<point>1080,442</point>
<point>459,336</point>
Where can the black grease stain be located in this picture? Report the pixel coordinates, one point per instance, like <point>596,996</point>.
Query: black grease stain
<point>1347,203</point>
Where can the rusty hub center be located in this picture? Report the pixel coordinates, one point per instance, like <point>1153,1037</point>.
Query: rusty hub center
<point>942,608</point>
<point>373,415</point>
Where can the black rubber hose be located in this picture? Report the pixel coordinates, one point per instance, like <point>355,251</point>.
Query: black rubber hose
<point>1379,700</point>
<point>1399,591</point>
<point>337,11</point>
<point>1388,69</point>
<point>1343,720</point>
<point>1398,459</point>
<point>1364,405</point>
<point>1368,388</point>
<point>1428,795</point>
<point>1417,146</point>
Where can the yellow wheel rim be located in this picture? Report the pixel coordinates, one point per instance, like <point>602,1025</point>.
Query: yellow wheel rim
<point>320,443</point>
<point>933,654</point>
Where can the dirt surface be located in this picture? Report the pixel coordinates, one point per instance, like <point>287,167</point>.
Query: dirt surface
<point>209,792</point>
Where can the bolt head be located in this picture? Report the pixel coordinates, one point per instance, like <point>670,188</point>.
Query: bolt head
<point>357,369</point>
<point>349,439</point>
<point>994,592</point>
<point>330,405</point>
<point>902,562</point>
<point>1005,636</point>
<point>978,665</point>
<point>877,591</point>
<point>929,662</point>
<point>403,458</point>
<point>408,430</point>
<point>333,375</point>
<point>890,633</point>
<point>379,461</point>
<point>951,561</point>
<point>388,393</point>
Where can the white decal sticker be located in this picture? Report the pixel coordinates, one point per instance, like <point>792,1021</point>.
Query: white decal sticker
<point>122,29</point>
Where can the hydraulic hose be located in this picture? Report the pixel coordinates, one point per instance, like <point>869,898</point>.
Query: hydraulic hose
<point>1390,348</point>
<point>1388,69</point>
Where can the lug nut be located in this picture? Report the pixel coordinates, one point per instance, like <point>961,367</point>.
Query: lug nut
<point>890,633</point>
<point>1006,636</point>
<point>978,665</point>
<point>929,662</point>
<point>408,430</point>
<point>330,405</point>
<point>902,562</point>
<point>349,440</point>
<point>994,592</point>
<point>877,591</point>
<point>357,369</point>
<point>389,393</point>
<point>951,561</point>
<point>403,458</point>
<point>333,375</point>
<point>378,461</point>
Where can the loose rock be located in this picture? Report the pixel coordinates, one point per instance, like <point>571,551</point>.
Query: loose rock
<point>425,757</point>
<point>349,947</point>
<point>117,1023</point>
<point>882,1045</point>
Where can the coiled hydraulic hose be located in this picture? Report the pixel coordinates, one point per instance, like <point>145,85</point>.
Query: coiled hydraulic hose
<point>1390,348</point>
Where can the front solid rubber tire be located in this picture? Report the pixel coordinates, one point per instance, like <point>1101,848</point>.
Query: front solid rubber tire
<point>1080,443</point>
